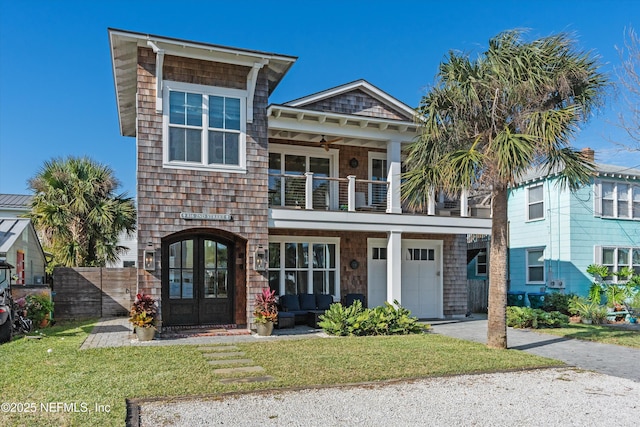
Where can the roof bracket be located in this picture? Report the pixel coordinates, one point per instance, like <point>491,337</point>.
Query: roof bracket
<point>252,79</point>
<point>159,62</point>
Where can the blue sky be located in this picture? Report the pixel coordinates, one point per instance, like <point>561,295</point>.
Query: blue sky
<point>57,95</point>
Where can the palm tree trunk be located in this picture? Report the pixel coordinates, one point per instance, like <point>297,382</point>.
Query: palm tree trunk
<point>497,318</point>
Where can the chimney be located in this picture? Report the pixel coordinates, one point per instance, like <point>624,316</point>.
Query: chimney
<point>589,154</point>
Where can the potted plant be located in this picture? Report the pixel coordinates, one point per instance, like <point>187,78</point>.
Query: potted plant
<point>39,308</point>
<point>143,315</point>
<point>584,308</point>
<point>265,312</point>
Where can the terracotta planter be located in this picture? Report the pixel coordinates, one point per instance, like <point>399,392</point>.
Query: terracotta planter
<point>44,322</point>
<point>145,334</point>
<point>264,329</point>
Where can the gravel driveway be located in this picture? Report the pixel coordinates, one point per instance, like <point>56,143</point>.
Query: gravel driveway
<point>550,397</point>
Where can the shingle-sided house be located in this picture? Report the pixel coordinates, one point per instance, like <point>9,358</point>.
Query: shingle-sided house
<point>555,234</point>
<point>235,194</point>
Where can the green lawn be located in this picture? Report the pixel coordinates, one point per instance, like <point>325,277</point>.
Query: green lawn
<point>106,377</point>
<point>598,333</point>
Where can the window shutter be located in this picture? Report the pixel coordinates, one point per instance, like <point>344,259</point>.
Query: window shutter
<point>597,199</point>
<point>597,255</point>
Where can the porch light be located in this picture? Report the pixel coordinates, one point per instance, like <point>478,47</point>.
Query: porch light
<point>260,259</point>
<point>150,258</point>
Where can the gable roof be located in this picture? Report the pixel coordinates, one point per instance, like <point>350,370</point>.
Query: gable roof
<point>124,59</point>
<point>15,201</point>
<point>358,98</point>
<point>601,170</point>
<point>10,230</point>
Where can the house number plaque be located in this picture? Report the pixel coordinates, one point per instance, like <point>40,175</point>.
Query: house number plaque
<point>205,216</point>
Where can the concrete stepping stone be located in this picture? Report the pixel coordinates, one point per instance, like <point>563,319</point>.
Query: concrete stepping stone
<point>230,361</point>
<point>238,370</point>
<point>246,380</point>
<point>219,348</point>
<point>221,355</point>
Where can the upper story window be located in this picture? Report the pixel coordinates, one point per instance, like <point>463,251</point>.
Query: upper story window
<point>535,202</point>
<point>204,127</point>
<point>619,200</point>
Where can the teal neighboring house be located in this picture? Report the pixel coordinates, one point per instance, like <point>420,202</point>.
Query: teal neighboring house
<point>555,234</point>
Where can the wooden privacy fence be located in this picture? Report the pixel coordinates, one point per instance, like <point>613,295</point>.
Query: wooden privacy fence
<point>83,292</point>
<point>477,296</point>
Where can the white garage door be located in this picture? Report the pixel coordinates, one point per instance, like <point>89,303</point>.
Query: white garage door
<point>421,278</point>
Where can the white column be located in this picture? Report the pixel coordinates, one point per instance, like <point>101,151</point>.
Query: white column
<point>394,267</point>
<point>351,193</point>
<point>393,176</point>
<point>308,191</point>
<point>431,202</point>
<point>464,202</point>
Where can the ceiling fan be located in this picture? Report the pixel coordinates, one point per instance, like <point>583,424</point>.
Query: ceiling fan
<point>325,144</point>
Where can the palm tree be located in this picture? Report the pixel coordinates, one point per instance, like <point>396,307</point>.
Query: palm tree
<point>77,213</point>
<point>486,121</point>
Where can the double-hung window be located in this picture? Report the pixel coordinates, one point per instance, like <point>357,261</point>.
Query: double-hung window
<point>619,200</point>
<point>535,202</point>
<point>481,263</point>
<point>204,127</point>
<point>535,266</point>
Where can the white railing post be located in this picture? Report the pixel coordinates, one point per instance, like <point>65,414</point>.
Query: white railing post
<point>431,202</point>
<point>351,193</point>
<point>464,202</point>
<point>308,191</point>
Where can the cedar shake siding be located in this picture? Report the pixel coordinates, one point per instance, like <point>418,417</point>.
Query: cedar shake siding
<point>356,102</point>
<point>164,193</point>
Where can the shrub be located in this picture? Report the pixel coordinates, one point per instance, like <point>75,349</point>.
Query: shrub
<point>340,320</point>
<point>356,320</point>
<point>535,318</point>
<point>556,301</point>
<point>38,307</point>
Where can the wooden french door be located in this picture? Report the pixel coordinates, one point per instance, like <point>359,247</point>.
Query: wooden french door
<point>197,280</point>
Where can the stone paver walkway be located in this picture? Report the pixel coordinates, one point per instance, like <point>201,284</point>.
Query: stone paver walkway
<point>118,332</point>
<point>607,359</point>
<point>225,358</point>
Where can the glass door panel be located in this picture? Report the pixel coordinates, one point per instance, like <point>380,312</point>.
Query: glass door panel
<point>294,188</point>
<point>181,270</point>
<point>378,192</point>
<point>275,182</point>
<point>321,169</point>
<point>215,269</point>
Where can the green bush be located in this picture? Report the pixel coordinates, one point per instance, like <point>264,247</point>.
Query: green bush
<point>38,307</point>
<point>356,320</point>
<point>535,318</point>
<point>556,301</point>
<point>341,320</point>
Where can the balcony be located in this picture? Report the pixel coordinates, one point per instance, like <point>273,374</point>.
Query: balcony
<point>322,193</point>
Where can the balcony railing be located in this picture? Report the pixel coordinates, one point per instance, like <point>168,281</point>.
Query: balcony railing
<point>314,192</point>
<point>327,193</point>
